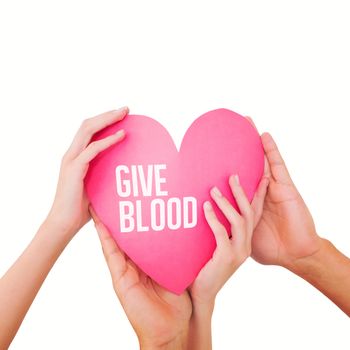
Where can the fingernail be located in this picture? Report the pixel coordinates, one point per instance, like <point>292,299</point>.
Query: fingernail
<point>120,133</point>
<point>207,205</point>
<point>216,192</point>
<point>236,178</point>
<point>122,109</point>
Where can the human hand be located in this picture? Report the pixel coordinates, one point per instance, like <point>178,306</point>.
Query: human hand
<point>286,233</point>
<point>229,254</point>
<point>69,211</point>
<point>159,317</point>
<point>232,251</point>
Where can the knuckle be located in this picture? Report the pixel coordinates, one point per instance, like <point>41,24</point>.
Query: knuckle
<point>92,145</point>
<point>86,125</point>
<point>219,229</point>
<point>78,163</point>
<point>237,223</point>
<point>85,122</point>
<point>65,158</point>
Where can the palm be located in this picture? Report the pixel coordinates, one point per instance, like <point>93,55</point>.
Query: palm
<point>156,314</point>
<point>70,199</point>
<point>276,240</point>
<point>163,314</point>
<point>202,289</point>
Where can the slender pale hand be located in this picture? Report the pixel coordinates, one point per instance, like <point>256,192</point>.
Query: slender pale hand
<point>69,212</point>
<point>229,254</point>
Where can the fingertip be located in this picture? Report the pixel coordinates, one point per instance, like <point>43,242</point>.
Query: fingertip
<point>215,192</point>
<point>266,137</point>
<point>96,220</point>
<point>234,180</point>
<point>126,111</point>
<point>121,113</point>
<point>230,180</point>
<point>207,206</point>
<point>120,134</point>
<point>264,183</point>
<point>122,109</point>
<point>92,212</point>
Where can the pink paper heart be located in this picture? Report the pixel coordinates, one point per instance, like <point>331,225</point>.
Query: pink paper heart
<point>217,144</point>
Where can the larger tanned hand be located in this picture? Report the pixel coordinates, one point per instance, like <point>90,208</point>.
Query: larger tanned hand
<point>159,317</point>
<point>286,232</point>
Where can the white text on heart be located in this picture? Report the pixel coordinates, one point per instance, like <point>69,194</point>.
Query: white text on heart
<point>173,213</point>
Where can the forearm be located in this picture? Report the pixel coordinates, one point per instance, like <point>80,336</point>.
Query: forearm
<point>199,337</point>
<point>329,271</point>
<point>21,283</point>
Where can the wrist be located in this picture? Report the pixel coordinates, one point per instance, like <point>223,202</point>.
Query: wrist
<point>57,228</point>
<point>328,271</point>
<point>176,343</point>
<point>200,325</point>
<point>312,264</point>
<point>202,309</point>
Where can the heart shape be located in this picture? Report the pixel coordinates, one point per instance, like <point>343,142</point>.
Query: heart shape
<point>172,252</point>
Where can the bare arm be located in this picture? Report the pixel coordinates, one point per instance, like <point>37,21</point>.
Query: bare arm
<point>21,283</point>
<point>69,212</point>
<point>286,235</point>
<point>229,254</point>
<point>329,271</point>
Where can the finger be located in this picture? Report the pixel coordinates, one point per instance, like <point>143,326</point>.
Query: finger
<point>278,168</point>
<point>258,200</point>
<point>219,231</point>
<point>266,164</point>
<point>92,125</point>
<point>267,170</point>
<point>108,244</point>
<point>240,197</point>
<point>104,235</point>
<point>93,214</point>
<point>101,228</point>
<point>96,147</point>
<point>228,210</point>
<point>142,275</point>
<point>115,258</point>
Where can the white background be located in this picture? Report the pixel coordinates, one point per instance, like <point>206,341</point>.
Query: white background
<point>285,63</point>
